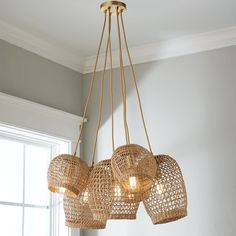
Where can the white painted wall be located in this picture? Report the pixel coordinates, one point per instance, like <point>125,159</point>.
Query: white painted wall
<point>189,104</point>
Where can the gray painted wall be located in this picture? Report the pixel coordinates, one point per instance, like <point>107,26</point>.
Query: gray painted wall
<point>29,76</point>
<point>189,105</point>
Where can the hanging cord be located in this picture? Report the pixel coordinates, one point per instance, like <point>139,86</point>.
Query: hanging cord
<point>124,92</point>
<point>102,88</point>
<point>111,93</point>
<point>91,85</point>
<point>122,80</point>
<point>135,83</point>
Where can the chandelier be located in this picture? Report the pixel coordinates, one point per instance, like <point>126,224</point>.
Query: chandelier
<point>113,188</point>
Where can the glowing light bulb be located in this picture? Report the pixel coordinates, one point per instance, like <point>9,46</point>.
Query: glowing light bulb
<point>117,191</point>
<point>132,183</point>
<point>159,188</point>
<point>131,196</point>
<point>62,190</point>
<point>85,197</point>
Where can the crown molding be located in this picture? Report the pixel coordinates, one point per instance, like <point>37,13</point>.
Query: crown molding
<point>171,48</point>
<point>40,47</point>
<point>141,54</point>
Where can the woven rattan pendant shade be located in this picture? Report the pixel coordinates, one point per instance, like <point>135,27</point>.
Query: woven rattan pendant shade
<point>122,207</point>
<point>134,163</point>
<point>167,199</point>
<point>78,213</point>
<point>100,190</point>
<point>67,174</point>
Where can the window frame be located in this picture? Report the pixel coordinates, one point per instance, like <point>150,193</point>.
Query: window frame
<point>28,138</point>
<point>40,119</point>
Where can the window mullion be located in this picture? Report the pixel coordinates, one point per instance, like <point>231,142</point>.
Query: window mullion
<point>51,223</point>
<point>23,207</point>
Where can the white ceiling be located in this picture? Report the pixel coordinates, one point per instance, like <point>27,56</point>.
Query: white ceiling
<point>75,25</point>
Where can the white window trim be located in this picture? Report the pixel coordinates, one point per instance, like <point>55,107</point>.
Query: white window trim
<point>37,118</point>
<point>32,116</point>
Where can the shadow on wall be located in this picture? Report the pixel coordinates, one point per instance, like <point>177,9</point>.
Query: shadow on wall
<point>95,99</point>
<point>188,91</point>
<point>132,104</point>
<point>178,93</point>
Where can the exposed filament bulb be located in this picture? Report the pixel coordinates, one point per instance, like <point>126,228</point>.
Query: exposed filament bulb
<point>132,183</point>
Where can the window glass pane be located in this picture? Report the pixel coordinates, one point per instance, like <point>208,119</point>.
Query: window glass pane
<point>36,222</point>
<point>11,220</point>
<point>11,170</point>
<point>37,160</point>
<point>63,230</point>
<point>59,217</point>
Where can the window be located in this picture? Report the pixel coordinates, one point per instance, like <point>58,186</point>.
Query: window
<point>26,206</point>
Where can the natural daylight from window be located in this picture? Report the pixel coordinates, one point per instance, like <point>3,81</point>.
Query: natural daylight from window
<point>26,206</point>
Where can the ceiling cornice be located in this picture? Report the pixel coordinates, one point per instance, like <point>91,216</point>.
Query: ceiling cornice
<point>40,47</point>
<point>145,53</point>
<point>171,48</point>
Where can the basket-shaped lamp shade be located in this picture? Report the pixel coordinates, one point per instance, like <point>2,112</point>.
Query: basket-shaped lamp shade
<point>123,207</point>
<point>100,190</point>
<point>67,174</point>
<point>167,199</point>
<point>134,167</point>
<point>78,213</point>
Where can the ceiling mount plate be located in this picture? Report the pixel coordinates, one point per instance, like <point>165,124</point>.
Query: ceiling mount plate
<point>113,6</point>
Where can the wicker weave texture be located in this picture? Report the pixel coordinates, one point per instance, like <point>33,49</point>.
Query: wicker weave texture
<point>167,199</point>
<point>136,197</point>
<point>134,161</point>
<point>78,213</point>
<point>100,190</point>
<point>123,206</point>
<point>67,174</point>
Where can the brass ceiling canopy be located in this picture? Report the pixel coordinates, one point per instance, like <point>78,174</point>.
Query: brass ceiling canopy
<point>113,6</point>
<point>113,188</point>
